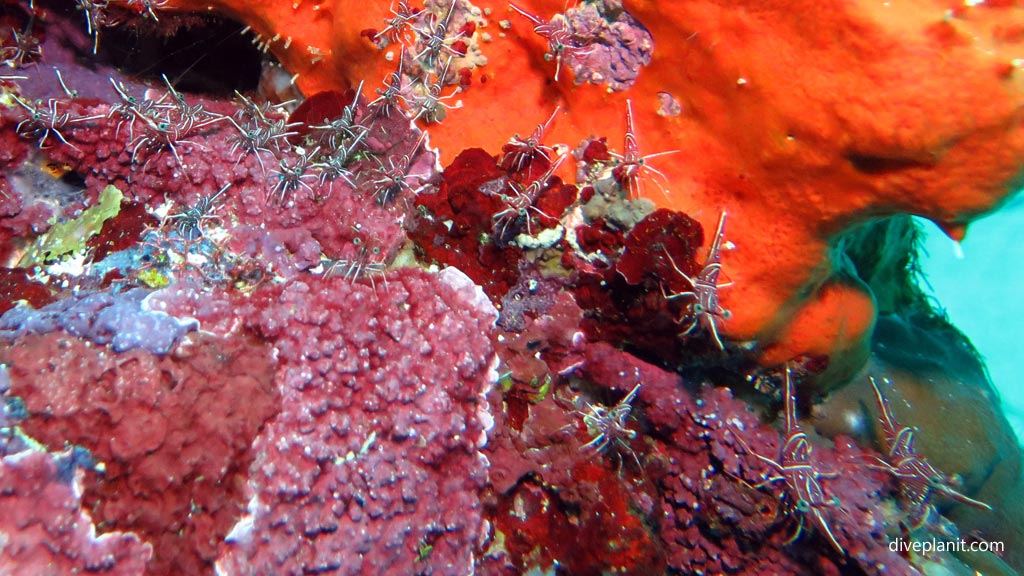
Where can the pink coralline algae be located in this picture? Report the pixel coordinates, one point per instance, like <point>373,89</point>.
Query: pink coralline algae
<point>45,529</point>
<point>617,46</point>
<point>173,432</point>
<point>374,459</point>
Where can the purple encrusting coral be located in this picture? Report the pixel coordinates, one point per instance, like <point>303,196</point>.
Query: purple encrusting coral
<point>617,48</point>
<point>121,319</point>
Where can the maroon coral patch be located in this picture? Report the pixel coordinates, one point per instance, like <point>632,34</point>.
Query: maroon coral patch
<point>122,231</point>
<point>16,285</point>
<point>659,246</point>
<point>319,109</point>
<point>174,432</point>
<point>459,220</point>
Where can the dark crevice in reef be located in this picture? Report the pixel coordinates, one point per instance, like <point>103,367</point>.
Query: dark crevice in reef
<point>199,54</point>
<point>874,165</point>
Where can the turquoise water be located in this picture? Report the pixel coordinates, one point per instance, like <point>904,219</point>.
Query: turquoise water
<point>981,286</point>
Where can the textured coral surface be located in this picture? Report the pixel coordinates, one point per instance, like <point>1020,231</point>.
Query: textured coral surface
<point>45,529</point>
<point>373,457</point>
<point>173,432</point>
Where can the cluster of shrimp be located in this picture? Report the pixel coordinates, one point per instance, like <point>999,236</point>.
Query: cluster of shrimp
<point>183,246</point>
<point>329,151</point>
<point>161,124</point>
<point>433,44</point>
<point>100,14</point>
<point>153,124</point>
<point>797,472</point>
<point>564,43</point>
<point>523,158</point>
<point>46,121</point>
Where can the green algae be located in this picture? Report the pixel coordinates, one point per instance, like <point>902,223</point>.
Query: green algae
<point>67,238</point>
<point>154,278</point>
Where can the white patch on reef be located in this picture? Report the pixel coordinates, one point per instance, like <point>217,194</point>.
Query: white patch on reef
<point>17,457</point>
<point>163,210</point>
<point>484,411</point>
<point>147,305</point>
<point>542,241</point>
<point>72,266</point>
<point>241,532</point>
<point>216,234</point>
<point>471,293</point>
<point>572,221</point>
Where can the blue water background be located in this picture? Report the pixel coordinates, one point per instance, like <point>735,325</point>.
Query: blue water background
<point>982,290</point>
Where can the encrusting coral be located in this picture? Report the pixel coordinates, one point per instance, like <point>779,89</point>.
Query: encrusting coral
<point>41,495</point>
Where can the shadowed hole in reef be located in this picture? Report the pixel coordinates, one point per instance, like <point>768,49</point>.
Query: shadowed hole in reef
<point>198,53</point>
<point>869,164</point>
